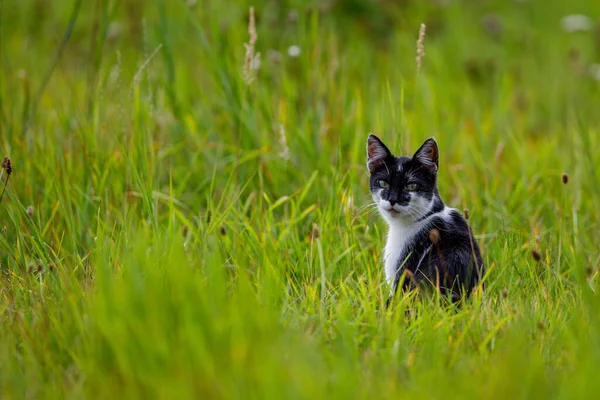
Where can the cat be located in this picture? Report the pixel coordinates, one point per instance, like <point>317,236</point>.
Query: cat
<point>427,242</point>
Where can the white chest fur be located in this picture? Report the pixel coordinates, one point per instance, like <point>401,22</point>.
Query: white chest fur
<point>400,235</point>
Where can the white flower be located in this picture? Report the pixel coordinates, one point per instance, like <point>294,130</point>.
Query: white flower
<point>294,51</point>
<point>576,22</point>
<point>594,71</point>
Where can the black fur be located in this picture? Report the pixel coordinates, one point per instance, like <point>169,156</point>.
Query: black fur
<point>453,263</point>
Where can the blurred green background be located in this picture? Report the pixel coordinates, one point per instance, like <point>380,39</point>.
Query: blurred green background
<point>173,228</point>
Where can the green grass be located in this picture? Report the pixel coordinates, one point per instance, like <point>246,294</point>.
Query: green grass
<point>277,289</point>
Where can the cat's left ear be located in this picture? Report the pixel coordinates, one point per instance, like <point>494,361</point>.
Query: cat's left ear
<point>427,155</point>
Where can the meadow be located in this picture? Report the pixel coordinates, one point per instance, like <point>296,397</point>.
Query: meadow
<point>187,214</point>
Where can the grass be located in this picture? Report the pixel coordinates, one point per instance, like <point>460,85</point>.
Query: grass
<point>169,231</point>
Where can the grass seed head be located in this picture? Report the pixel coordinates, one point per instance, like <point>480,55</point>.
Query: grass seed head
<point>565,178</point>
<point>537,256</point>
<point>30,210</point>
<point>541,325</point>
<point>466,213</point>
<point>250,60</point>
<point>6,165</point>
<point>285,150</point>
<point>420,47</point>
<point>315,231</point>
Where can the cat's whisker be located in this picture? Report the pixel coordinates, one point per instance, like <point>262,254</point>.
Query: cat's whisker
<point>366,210</point>
<point>372,214</point>
<point>366,217</point>
<point>413,214</point>
<point>366,207</point>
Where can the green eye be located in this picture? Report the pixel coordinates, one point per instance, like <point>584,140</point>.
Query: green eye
<point>383,184</point>
<point>411,186</point>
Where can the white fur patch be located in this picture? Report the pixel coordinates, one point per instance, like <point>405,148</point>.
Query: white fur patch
<point>400,234</point>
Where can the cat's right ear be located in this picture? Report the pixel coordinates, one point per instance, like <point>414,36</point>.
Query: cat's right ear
<point>427,155</point>
<point>377,153</point>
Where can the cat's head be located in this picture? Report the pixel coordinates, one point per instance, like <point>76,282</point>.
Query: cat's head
<point>404,188</point>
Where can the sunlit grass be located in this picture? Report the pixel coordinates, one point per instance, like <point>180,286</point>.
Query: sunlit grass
<point>172,229</point>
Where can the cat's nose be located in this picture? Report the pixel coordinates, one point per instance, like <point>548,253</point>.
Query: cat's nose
<point>392,203</point>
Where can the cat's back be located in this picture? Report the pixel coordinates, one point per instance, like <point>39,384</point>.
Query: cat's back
<point>452,225</point>
<point>455,246</point>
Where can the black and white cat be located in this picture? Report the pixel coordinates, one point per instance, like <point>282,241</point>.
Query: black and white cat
<point>427,241</point>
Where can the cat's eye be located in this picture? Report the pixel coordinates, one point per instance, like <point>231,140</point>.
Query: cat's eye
<point>411,186</point>
<point>384,184</point>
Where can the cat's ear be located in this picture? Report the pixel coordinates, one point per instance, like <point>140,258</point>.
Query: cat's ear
<point>427,155</point>
<point>377,153</point>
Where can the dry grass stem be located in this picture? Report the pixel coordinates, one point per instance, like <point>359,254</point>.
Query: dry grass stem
<point>252,59</point>
<point>420,47</point>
